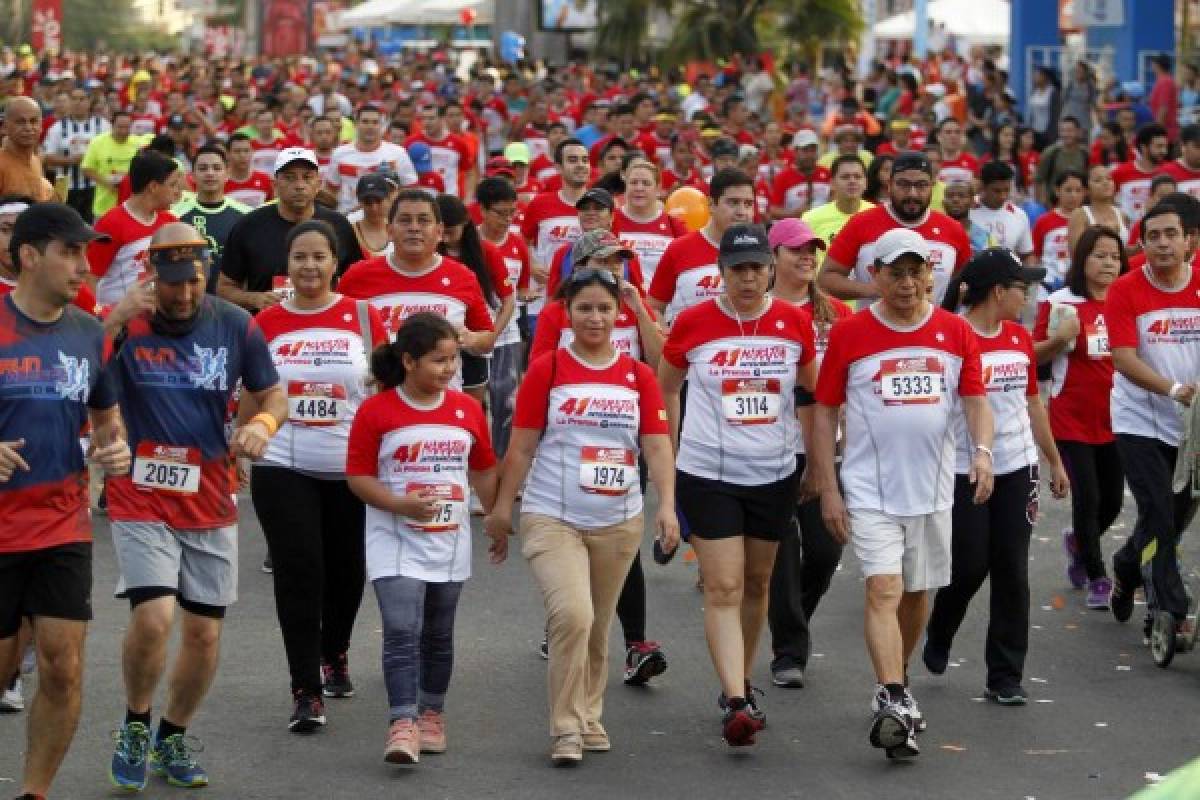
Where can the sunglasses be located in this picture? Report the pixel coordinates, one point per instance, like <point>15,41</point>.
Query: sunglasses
<point>591,274</point>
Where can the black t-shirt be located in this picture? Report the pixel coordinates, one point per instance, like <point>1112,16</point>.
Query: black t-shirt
<point>255,252</point>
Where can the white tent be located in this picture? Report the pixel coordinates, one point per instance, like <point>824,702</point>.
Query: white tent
<point>983,21</point>
<point>415,12</point>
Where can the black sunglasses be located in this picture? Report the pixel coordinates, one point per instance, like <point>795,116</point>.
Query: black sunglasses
<point>593,274</point>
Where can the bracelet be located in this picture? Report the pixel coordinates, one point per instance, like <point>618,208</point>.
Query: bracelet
<point>981,449</point>
<point>267,420</point>
<point>1175,387</point>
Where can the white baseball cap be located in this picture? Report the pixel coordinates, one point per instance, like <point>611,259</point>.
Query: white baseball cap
<point>805,138</point>
<point>898,242</point>
<point>292,154</point>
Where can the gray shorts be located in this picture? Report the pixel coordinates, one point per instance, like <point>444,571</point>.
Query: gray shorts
<point>917,548</point>
<point>200,565</point>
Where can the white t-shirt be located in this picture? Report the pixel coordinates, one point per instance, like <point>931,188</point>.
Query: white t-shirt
<point>348,164</point>
<point>1010,377</point>
<point>1009,226</point>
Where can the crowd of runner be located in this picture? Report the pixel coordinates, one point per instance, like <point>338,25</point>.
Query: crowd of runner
<point>809,310</point>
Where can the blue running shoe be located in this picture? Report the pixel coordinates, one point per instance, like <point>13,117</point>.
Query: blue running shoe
<point>128,768</point>
<point>172,759</point>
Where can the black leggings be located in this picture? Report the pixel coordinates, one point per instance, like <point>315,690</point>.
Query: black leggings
<point>1097,491</point>
<point>992,538</point>
<point>314,531</point>
<point>631,605</point>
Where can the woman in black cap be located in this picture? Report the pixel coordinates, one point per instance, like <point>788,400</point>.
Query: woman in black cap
<point>993,537</point>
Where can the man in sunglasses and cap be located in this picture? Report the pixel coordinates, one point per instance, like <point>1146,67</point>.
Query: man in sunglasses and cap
<point>174,519</point>
<point>51,351</point>
<point>904,370</point>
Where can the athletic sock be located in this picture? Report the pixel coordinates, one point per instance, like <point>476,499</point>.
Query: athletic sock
<point>895,691</point>
<point>137,716</point>
<point>167,728</point>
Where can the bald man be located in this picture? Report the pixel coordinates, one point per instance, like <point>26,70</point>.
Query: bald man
<point>174,519</point>
<point>21,169</point>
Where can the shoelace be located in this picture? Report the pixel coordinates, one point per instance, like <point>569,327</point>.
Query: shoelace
<point>132,743</point>
<point>179,749</point>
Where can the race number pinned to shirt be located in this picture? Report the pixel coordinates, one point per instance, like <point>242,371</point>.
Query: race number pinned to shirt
<point>451,507</point>
<point>911,381</point>
<point>607,470</point>
<point>1097,339</point>
<point>750,401</point>
<point>282,285</point>
<point>167,468</point>
<point>315,403</point>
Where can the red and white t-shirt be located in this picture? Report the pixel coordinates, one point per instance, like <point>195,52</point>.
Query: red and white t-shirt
<point>144,124</point>
<point>1010,377</point>
<point>673,180</point>
<point>85,299</point>
<point>451,159</point>
<point>542,168</point>
<point>687,274</point>
<point>420,449</point>
<point>962,169</point>
<point>593,418</point>
<point>254,191</point>
<point>323,367</point>
<point>821,338</point>
<point>349,164</point>
<point>1133,188</point>
<point>554,331</point>
<point>950,249</point>
<point>120,263</point>
<point>1187,179</point>
<point>902,390</point>
<point>515,257</point>
<point>549,223</point>
<point>648,239</point>
<point>1051,246</point>
<point>262,158</point>
<point>1082,377</point>
<point>790,189</point>
<point>1164,327</point>
<point>740,425</point>
<point>561,263</point>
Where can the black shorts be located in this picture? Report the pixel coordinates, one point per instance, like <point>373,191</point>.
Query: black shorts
<point>719,510</point>
<point>474,370</point>
<point>55,582</point>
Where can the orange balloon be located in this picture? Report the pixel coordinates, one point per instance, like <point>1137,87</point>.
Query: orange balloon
<point>690,205</point>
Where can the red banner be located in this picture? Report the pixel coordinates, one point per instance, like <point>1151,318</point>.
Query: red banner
<point>284,27</point>
<point>47,26</point>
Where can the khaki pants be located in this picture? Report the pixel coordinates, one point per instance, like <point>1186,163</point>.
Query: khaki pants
<point>580,574</point>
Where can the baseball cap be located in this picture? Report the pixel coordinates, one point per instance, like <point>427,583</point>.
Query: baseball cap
<point>517,153</point>
<point>996,266</point>
<point>422,157</point>
<point>598,244</point>
<point>805,138</point>
<point>373,185</point>
<point>744,244</point>
<point>911,159</point>
<point>291,154</point>
<point>723,147</point>
<point>175,121</point>
<point>176,262</point>
<point>55,222</point>
<point>498,165</point>
<point>793,232</point>
<point>599,196</point>
<point>898,242</point>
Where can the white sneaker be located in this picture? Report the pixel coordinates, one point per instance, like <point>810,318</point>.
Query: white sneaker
<point>476,506</point>
<point>12,700</point>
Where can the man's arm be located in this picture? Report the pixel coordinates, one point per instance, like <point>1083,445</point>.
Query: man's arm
<point>835,279</point>
<point>229,289</point>
<point>1127,362</point>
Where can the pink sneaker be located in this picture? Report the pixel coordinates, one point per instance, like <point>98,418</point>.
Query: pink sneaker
<point>1076,573</point>
<point>432,725</point>
<point>403,744</point>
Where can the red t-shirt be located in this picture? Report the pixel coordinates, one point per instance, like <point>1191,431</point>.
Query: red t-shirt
<point>962,169</point>
<point>633,271</point>
<point>790,189</point>
<point>687,274</point>
<point>254,191</point>
<point>1082,376</point>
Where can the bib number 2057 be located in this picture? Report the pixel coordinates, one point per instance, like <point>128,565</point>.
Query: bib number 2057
<point>167,468</point>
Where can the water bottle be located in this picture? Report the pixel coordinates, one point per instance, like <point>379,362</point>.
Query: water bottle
<point>1059,312</point>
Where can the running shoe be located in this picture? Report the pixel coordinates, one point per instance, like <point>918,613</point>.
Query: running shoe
<point>909,704</point>
<point>12,700</point>
<point>1120,602</point>
<point>643,661</point>
<point>756,714</point>
<point>476,506</point>
<point>788,677</point>
<point>567,750</point>
<point>936,658</point>
<point>595,738</point>
<point>308,712</point>
<point>544,647</point>
<point>906,750</point>
<point>1076,574</point>
<point>404,743</point>
<point>172,758</point>
<point>1011,695</point>
<point>891,727</point>
<point>29,660</point>
<point>737,726</point>
<point>1098,594</point>
<point>128,767</point>
<point>267,566</point>
<point>431,726</point>
<point>335,678</point>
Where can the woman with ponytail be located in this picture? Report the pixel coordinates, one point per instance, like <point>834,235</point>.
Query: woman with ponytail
<point>417,450</point>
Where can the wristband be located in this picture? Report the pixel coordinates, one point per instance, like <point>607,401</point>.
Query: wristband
<point>803,397</point>
<point>267,420</point>
<point>1175,387</point>
<point>981,449</point>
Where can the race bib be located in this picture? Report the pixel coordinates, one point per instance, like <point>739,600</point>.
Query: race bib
<point>607,470</point>
<point>911,381</point>
<point>451,510</point>
<point>283,285</point>
<point>1097,341</point>
<point>315,404</point>
<point>167,468</point>
<point>750,401</point>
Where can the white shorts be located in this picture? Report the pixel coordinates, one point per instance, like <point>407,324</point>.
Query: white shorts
<point>916,547</point>
<point>200,565</point>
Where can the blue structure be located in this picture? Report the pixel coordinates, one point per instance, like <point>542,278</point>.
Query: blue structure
<point>1034,23</point>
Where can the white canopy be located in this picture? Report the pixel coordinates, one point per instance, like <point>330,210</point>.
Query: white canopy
<point>974,20</point>
<point>415,12</point>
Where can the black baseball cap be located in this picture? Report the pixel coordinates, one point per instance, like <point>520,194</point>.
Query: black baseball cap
<point>176,262</point>
<point>52,222</point>
<point>601,197</point>
<point>724,147</point>
<point>912,160</point>
<point>373,185</point>
<point>744,244</point>
<point>996,266</point>
<point>175,121</point>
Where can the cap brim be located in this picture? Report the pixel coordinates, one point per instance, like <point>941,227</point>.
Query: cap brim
<point>733,259</point>
<point>285,165</point>
<point>892,258</point>
<point>801,242</point>
<point>180,271</point>
<point>83,235</point>
<point>375,194</point>
<point>1032,275</point>
<point>605,252</point>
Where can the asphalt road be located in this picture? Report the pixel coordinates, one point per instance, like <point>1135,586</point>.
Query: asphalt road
<point>1102,720</point>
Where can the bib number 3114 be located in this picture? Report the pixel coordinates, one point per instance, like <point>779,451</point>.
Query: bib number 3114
<point>750,401</point>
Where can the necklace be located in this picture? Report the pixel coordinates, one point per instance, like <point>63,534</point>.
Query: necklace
<point>757,319</point>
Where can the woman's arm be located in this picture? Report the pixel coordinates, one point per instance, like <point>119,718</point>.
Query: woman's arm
<point>1040,424</point>
<point>670,379</point>
<point>521,449</point>
<point>660,463</point>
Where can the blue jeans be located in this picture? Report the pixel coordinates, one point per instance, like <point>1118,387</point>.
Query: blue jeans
<point>418,642</point>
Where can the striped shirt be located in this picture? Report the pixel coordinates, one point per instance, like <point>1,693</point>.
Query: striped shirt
<point>70,137</point>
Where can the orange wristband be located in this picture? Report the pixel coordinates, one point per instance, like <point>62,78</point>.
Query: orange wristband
<point>268,420</point>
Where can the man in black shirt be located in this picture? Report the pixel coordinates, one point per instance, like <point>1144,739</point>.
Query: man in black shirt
<point>209,211</point>
<point>254,264</point>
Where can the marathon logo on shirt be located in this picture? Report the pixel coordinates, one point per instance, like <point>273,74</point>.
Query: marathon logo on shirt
<point>1167,329</point>
<point>25,377</point>
<point>1006,376</point>
<point>317,352</point>
<point>204,369</point>
<point>599,412</point>
<point>394,316</point>
<point>430,456</point>
<point>749,357</point>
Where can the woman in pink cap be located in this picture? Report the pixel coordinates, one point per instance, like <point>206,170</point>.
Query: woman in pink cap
<point>805,564</point>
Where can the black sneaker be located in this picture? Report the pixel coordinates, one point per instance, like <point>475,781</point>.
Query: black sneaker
<point>891,727</point>
<point>907,749</point>
<point>1013,695</point>
<point>936,658</point>
<point>643,661</point>
<point>1121,601</point>
<point>336,678</point>
<point>308,712</point>
<point>755,713</point>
